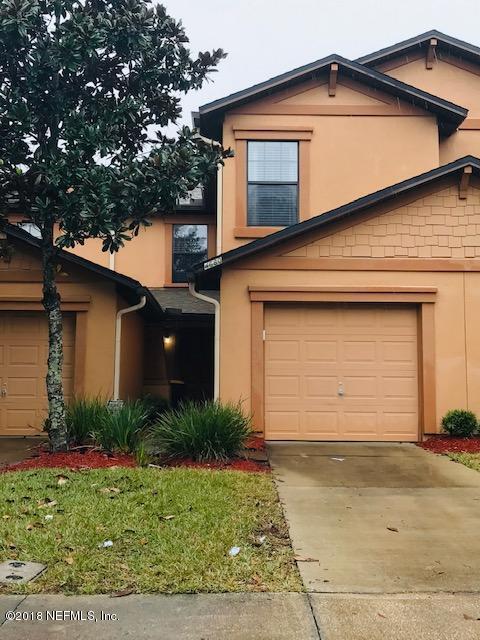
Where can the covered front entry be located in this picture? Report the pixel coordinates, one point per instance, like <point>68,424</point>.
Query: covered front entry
<point>339,371</point>
<point>23,365</point>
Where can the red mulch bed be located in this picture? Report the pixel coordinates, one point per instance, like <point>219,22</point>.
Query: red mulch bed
<point>256,443</point>
<point>74,460</point>
<point>92,459</point>
<point>448,444</point>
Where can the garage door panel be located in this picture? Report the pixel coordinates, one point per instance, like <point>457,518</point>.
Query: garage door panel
<point>24,346</point>
<point>321,387</point>
<point>399,351</point>
<point>399,423</point>
<point>368,350</point>
<point>321,424</point>
<point>283,387</point>
<point>397,387</point>
<point>283,350</point>
<point>283,423</point>
<point>361,387</point>
<point>359,423</point>
<point>321,350</point>
<point>359,351</point>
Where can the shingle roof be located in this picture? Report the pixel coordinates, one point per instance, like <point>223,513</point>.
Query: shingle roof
<point>450,115</point>
<point>445,42</point>
<point>207,274</point>
<point>132,289</point>
<point>182,300</point>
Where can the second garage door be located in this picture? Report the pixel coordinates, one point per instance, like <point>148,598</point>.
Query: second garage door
<point>23,366</point>
<point>341,372</point>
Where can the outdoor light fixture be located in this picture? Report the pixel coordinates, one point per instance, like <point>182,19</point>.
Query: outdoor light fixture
<point>168,340</point>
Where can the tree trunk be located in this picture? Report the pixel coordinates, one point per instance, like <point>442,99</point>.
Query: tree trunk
<point>57,430</point>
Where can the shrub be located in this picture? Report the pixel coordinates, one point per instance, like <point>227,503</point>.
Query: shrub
<point>154,406</point>
<point>459,422</point>
<point>202,431</point>
<point>121,428</point>
<point>83,417</point>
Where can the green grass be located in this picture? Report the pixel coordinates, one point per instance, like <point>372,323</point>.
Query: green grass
<point>471,460</point>
<point>213,511</point>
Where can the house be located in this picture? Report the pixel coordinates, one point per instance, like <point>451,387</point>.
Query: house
<point>330,279</point>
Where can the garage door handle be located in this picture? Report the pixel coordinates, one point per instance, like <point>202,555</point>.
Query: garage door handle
<point>3,391</point>
<point>341,390</point>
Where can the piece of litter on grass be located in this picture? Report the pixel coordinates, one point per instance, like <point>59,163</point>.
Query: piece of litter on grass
<point>338,459</point>
<point>167,517</point>
<point>122,593</point>
<point>61,480</point>
<point>234,551</point>
<point>69,560</point>
<point>49,517</point>
<point>262,539</point>
<point>394,529</point>
<point>105,544</point>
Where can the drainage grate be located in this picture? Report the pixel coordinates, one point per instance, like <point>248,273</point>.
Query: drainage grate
<point>14,571</point>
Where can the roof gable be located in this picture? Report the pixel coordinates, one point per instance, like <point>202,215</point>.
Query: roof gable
<point>131,289</point>
<point>208,273</point>
<point>449,115</point>
<point>446,43</point>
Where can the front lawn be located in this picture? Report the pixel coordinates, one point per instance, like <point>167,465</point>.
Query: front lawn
<point>471,460</point>
<point>171,529</point>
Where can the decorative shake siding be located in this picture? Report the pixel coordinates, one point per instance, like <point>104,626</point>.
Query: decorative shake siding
<point>440,225</point>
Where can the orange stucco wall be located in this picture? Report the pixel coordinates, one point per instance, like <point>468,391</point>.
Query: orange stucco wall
<point>348,155</point>
<point>131,358</point>
<point>457,304</point>
<point>453,83</point>
<point>20,279</point>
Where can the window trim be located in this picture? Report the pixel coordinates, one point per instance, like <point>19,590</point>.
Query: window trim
<point>303,136</point>
<point>168,230</point>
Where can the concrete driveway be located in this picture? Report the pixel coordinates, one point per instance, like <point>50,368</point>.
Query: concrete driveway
<point>380,518</point>
<point>383,532</point>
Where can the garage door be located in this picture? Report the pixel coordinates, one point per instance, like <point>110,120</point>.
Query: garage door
<point>23,365</point>
<point>341,372</point>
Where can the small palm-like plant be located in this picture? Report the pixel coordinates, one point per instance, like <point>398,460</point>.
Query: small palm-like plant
<point>83,416</point>
<point>202,431</point>
<point>121,428</point>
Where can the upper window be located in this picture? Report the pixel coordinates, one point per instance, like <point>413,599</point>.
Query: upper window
<point>190,245</point>
<point>272,183</point>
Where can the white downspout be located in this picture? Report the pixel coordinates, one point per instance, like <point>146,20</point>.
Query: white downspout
<point>219,230</point>
<point>118,343</point>
<point>216,359</point>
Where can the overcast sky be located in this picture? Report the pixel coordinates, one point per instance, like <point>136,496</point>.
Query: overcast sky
<point>266,37</point>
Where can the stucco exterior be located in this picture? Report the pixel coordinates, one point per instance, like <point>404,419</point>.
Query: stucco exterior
<point>292,268</point>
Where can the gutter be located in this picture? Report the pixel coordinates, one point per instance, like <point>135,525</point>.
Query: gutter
<point>216,361</point>
<point>118,343</point>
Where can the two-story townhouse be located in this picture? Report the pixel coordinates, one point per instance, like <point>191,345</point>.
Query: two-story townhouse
<point>342,243</point>
<point>349,276</point>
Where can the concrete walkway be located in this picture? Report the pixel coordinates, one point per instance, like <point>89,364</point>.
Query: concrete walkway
<point>259,616</point>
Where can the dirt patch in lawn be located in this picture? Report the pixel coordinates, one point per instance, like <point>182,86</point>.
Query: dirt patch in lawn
<point>448,444</point>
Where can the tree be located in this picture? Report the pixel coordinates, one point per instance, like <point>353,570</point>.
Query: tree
<point>86,87</point>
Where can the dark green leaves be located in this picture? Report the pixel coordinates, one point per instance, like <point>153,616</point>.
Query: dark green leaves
<point>84,88</point>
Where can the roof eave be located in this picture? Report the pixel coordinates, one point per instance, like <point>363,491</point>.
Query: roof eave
<point>450,115</point>
<point>209,272</point>
<point>130,288</point>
